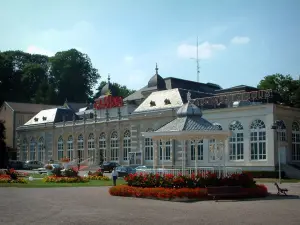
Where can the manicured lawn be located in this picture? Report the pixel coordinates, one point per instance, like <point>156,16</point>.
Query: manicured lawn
<point>273,180</point>
<point>41,184</point>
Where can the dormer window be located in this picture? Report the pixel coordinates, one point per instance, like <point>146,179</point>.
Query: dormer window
<point>167,101</point>
<point>44,118</point>
<point>36,119</point>
<point>152,103</point>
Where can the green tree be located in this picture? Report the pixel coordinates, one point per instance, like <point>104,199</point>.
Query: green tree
<point>121,90</point>
<point>284,85</point>
<point>3,150</point>
<point>73,76</point>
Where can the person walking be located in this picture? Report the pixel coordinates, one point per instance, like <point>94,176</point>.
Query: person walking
<point>114,175</point>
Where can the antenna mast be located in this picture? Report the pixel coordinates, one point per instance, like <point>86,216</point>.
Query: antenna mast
<point>197,59</point>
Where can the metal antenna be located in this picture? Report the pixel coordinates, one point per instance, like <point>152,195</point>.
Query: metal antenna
<point>197,60</point>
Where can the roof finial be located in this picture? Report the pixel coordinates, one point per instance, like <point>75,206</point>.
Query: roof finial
<point>188,96</point>
<point>156,69</point>
<point>108,78</point>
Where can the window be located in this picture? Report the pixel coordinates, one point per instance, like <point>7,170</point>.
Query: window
<point>114,146</point>
<point>70,148</point>
<point>80,148</point>
<point>149,147</point>
<point>281,132</point>
<point>126,144</point>
<point>32,149</point>
<point>165,154</point>
<point>102,147</point>
<point>258,140</point>
<point>91,148</point>
<point>200,150</point>
<point>236,141</point>
<point>295,142</point>
<point>41,150</point>
<point>60,148</point>
<point>24,150</point>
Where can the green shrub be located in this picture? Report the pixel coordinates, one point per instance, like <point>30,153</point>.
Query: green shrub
<point>56,172</point>
<point>70,173</point>
<point>266,174</point>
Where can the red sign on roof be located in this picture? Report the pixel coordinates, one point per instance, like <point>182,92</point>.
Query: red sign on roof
<point>107,102</point>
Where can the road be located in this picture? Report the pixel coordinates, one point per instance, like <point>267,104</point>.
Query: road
<point>93,205</point>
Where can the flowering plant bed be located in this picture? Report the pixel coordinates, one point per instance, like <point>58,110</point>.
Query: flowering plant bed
<point>12,176</point>
<point>244,180</point>
<point>64,179</point>
<point>178,193</point>
<point>98,175</point>
<point>65,160</point>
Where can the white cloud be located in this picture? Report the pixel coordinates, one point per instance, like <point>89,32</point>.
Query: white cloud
<point>128,59</point>
<point>240,40</point>
<point>37,50</point>
<point>205,50</point>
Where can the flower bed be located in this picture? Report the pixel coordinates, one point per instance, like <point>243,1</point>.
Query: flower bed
<point>98,175</point>
<point>177,193</point>
<point>168,186</point>
<point>12,176</point>
<point>64,179</point>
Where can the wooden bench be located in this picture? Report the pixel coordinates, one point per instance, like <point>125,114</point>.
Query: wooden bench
<point>225,191</point>
<point>281,190</point>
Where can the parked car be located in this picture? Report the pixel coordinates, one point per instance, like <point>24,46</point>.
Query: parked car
<point>124,171</point>
<point>141,168</point>
<point>31,164</point>
<point>43,169</point>
<point>17,165</point>
<point>108,166</point>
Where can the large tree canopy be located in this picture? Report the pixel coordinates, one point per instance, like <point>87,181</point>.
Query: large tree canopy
<point>285,85</point>
<point>121,90</point>
<point>73,76</point>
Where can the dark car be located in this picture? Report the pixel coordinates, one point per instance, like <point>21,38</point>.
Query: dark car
<point>124,171</point>
<point>109,166</point>
<point>18,165</point>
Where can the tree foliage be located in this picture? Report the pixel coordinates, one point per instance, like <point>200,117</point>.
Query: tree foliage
<point>35,78</point>
<point>285,85</point>
<point>121,90</point>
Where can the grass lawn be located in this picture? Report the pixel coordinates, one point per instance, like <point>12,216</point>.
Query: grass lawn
<point>273,180</point>
<point>41,184</point>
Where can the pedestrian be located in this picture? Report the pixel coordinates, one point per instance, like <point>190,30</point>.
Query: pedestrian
<point>114,176</point>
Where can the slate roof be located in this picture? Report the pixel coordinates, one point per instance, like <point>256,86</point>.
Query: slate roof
<point>55,115</point>
<point>189,119</point>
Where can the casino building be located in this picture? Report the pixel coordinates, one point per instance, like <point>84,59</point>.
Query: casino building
<point>111,129</point>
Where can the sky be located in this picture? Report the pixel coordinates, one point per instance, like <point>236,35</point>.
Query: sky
<point>240,41</point>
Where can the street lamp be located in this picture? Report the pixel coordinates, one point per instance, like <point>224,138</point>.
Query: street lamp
<point>277,125</point>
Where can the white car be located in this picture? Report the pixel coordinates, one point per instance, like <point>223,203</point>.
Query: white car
<point>43,169</point>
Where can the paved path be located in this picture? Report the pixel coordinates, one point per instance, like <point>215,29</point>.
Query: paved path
<point>93,205</point>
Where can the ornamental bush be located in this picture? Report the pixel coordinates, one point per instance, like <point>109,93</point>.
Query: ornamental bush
<point>183,181</point>
<point>70,173</point>
<point>7,179</point>
<point>92,177</point>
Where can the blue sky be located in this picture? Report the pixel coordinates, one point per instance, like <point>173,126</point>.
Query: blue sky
<point>240,41</point>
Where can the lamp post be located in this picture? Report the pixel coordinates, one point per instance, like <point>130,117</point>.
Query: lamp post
<point>277,126</point>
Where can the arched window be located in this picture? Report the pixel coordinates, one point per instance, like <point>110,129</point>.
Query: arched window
<point>24,149</point>
<point>32,149</point>
<point>60,148</point>
<point>91,148</point>
<point>165,154</point>
<point>236,141</point>
<point>80,148</point>
<point>149,147</point>
<point>102,147</point>
<point>215,150</point>
<point>258,140</point>
<point>41,150</point>
<point>126,144</point>
<point>295,142</point>
<point>281,131</point>
<point>114,146</point>
<point>199,153</point>
<point>70,148</point>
